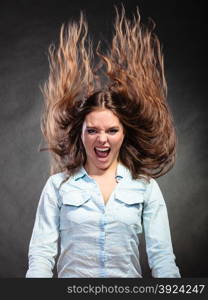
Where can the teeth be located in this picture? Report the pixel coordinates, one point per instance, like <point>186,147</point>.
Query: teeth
<point>101,149</point>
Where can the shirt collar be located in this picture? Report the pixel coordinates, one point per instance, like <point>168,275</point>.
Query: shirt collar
<point>80,174</point>
<point>121,172</point>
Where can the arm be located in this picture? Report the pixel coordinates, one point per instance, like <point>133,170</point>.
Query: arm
<point>157,234</point>
<point>43,246</point>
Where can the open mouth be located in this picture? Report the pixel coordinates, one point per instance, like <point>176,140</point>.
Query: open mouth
<point>102,152</point>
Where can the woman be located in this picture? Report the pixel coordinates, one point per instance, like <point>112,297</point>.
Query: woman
<point>108,143</point>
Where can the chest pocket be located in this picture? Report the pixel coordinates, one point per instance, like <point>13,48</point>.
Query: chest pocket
<point>74,208</point>
<point>129,206</point>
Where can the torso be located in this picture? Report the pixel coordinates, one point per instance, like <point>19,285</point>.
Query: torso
<point>106,186</point>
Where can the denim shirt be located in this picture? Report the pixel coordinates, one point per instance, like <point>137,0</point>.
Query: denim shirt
<point>98,239</point>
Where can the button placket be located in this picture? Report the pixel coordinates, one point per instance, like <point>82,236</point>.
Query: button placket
<point>102,240</point>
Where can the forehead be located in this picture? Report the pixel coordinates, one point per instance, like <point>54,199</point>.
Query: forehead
<point>101,118</point>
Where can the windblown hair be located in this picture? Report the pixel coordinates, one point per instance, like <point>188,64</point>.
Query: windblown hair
<point>135,91</point>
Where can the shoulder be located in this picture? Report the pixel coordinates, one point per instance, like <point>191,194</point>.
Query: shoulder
<point>151,185</point>
<point>51,190</point>
<point>146,184</point>
<point>56,180</point>
<point>151,188</point>
<point>153,193</point>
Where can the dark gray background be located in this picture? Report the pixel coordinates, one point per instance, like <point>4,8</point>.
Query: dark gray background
<point>26,30</point>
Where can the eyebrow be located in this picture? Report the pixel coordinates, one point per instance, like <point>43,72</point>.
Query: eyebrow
<point>94,127</point>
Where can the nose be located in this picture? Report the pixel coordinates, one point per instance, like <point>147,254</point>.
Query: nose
<point>102,138</point>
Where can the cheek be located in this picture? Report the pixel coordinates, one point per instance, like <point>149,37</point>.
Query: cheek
<point>118,142</point>
<point>87,141</point>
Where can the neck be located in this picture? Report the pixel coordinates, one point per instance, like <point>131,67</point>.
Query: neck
<point>96,172</point>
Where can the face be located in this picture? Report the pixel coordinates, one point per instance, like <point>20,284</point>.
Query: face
<point>102,137</point>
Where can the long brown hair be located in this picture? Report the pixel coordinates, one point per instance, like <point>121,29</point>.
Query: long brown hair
<point>135,91</point>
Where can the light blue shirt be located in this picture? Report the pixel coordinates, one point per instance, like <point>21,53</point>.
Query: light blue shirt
<point>98,239</point>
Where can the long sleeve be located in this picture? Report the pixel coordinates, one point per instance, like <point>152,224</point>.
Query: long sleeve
<point>43,246</point>
<point>159,249</point>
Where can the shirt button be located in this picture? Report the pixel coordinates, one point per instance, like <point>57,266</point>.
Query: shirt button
<point>118,178</point>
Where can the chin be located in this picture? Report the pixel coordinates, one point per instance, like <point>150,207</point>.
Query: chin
<point>103,167</point>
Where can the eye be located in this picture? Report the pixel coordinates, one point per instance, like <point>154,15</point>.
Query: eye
<point>91,131</point>
<point>113,131</point>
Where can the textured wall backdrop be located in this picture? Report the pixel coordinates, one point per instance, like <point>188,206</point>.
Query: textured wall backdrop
<point>26,30</point>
